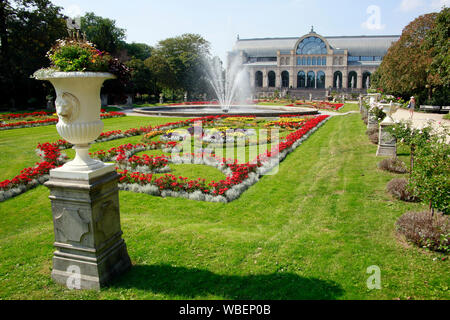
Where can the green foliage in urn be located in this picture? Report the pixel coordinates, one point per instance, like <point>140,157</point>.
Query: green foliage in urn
<point>379,113</point>
<point>78,55</point>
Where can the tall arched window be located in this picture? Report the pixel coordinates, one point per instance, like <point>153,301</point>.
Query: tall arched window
<point>366,80</point>
<point>282,61</point>
<point>258,79</point>
<point>324,61</point>
<point>301,80</point>
<point>314,61</point>
<point>304,61</point>
<point>320,80</point>
<point>285,79</point>
<point>271,75</point>
<point>337,80</point>
<point>311,80</point>
<point>309,61</point>
<point>352,79</point>
<point>312,45</point>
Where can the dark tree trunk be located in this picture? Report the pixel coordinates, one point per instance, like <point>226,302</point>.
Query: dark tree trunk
<point>413,150</point>
<point>3,31</point>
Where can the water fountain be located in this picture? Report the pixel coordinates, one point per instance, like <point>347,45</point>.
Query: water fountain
<point>232,90</point>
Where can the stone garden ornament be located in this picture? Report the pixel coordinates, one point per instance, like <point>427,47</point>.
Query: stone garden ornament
<point>84,192</point>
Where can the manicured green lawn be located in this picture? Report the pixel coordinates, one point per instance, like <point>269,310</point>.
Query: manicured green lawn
<point>308,232</point>
<point>349,107</point>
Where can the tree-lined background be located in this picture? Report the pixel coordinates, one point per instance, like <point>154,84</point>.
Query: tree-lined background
<point>418,64</point>
<point>29,28</point>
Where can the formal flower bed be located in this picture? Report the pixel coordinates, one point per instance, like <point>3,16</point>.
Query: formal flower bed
<point>136,172</point>
<point>15,116</point>
<point>323,105</point>
<point>47,119</point>
<point>239,176</point>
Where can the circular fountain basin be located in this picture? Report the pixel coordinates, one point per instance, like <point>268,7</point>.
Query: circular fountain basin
<point>214,110</point>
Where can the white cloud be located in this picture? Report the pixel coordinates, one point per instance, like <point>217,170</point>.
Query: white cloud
<point>73,10</point>
<point>410,5</point>
<point>373,22</point>
<point>438,4</point>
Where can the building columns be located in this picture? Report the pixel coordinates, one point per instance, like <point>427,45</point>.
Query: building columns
<point>265,79</point>
<point>360,80</point>
<point>344,80</point>
<point>252,79</point>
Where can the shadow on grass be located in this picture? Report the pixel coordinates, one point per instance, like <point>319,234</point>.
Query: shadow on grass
<point>192,283</point>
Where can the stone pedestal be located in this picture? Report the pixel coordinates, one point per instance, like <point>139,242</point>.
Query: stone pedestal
<point>387,144</point>
<point>90,250</point>
<point>372,121</point>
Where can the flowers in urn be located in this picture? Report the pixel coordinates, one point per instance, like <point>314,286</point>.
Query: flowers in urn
<point>77,72</point>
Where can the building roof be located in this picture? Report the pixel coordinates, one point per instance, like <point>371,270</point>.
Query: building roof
<point>356,45</point>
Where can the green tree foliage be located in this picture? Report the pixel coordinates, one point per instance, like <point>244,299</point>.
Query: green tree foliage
<point>177,63</point>
<point>415,138</point>
<point>139,51</point>
<point>28,28</point>
<point>438,42</point>
<point>431,175</point>
<point>103,32</point>
<point>142,79</point>
<point>405,69</point>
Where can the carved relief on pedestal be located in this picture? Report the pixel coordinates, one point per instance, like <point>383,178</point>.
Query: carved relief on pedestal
<point>70,225</point>
<point>387,138</point>
<point>107,221</point>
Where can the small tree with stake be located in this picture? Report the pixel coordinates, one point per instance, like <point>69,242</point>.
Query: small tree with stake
<point>430,178</point>
<point>407,135</point>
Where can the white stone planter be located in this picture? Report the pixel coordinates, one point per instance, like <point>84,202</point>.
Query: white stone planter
<point>78,107</point>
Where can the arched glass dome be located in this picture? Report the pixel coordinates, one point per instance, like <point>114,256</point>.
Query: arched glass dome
<point>312,45</point>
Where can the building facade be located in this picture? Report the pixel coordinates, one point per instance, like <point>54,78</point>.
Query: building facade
<point>312,62</point>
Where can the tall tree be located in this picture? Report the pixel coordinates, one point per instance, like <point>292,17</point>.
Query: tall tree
<point>28,28</point>
<point>103,32</point>
<point>139,51</point>
<point>142,78</point>
<point>405,68</point>
<point>177,62</point>
<point>437,42</point>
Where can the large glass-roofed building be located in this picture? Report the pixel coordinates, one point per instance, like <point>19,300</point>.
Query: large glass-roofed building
<point>312,62</point>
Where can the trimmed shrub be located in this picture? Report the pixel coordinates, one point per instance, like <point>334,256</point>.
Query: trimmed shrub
<point>426,231</point>
<point>373,134</point>
<point>394,165</point>
<point>399,189</point>
<point>366,120</point>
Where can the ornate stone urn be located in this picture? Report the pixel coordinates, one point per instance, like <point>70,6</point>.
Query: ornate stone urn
<point>78,107</point>
<point>84,193</point>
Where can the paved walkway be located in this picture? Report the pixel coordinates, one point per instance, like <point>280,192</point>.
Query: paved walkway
<point>421,120</point>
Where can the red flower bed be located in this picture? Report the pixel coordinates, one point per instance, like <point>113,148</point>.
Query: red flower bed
<point>240,172</point>
<point>9,116</point>
<point>50,154</point>
<point>324,105</point>
<point>43,122</point>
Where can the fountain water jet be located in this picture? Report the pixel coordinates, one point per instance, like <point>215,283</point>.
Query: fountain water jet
<point>231,87</point>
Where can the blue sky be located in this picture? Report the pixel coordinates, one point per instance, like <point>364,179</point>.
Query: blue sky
<point>220,21</point>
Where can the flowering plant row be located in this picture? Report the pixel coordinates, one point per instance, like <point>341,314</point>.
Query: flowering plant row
<point>324,105</point>
<point>50,121</point>
<point>9,116</point>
